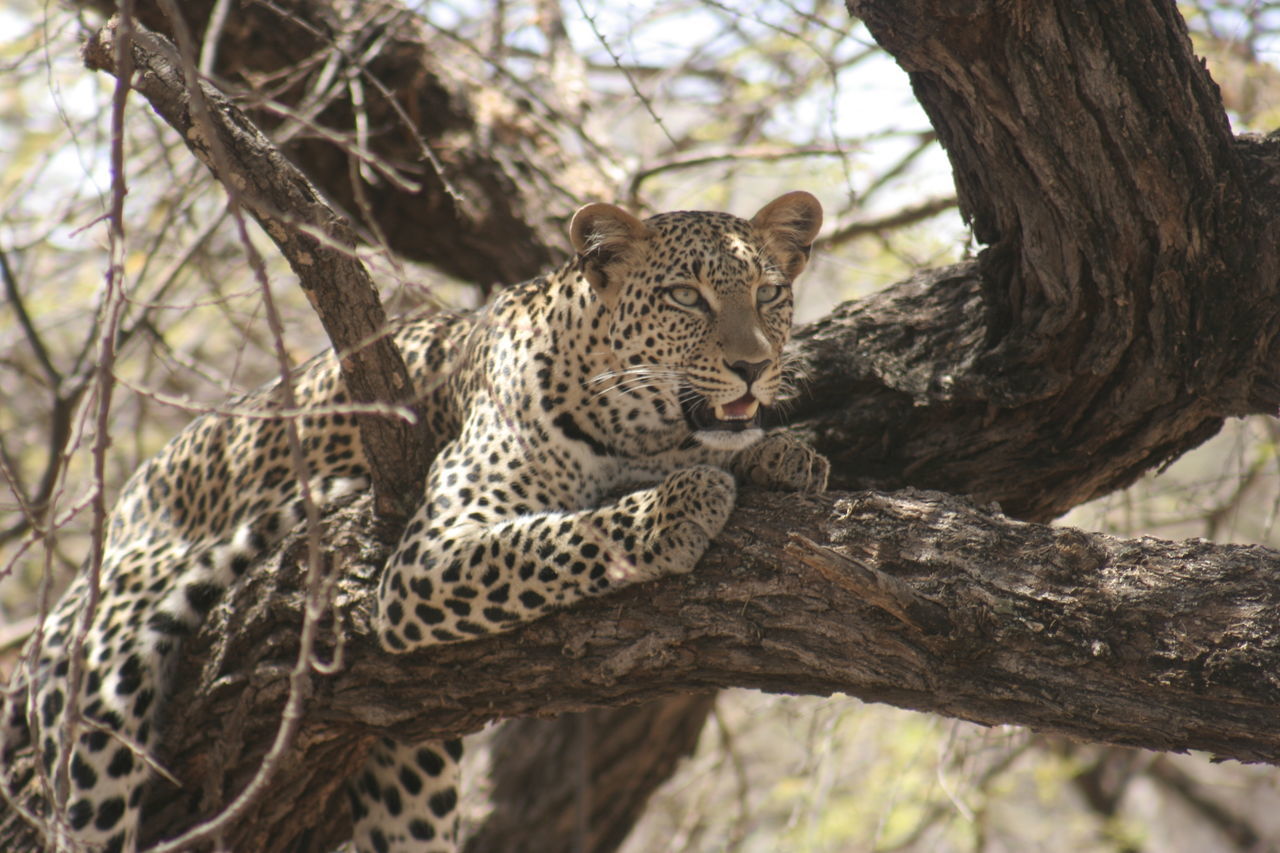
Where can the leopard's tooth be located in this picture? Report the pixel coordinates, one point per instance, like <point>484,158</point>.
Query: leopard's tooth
<point>718,410</point>
<point>751,410</point>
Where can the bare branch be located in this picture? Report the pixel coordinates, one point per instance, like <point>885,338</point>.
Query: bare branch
<point>51,373</point>
<point>617,63</point>
<point>111,309</point>
<point>757,153</point>
<point>908,215</point>
<point>318,246</point>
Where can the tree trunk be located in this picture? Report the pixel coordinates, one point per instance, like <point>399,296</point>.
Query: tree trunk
<point>1125,304</point>
<point>605,765</point>
<point>1127,300</point>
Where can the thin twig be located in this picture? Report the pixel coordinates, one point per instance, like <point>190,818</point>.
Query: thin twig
<point>212,37</point>
<point>617,63</point>
<point>905,216</point>
<point>112,306</point>
<point>757,153</point>
<point>24,320</point>
<point>300,676</point>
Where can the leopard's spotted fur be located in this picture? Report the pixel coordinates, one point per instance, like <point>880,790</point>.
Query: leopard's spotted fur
<point>644,366</point>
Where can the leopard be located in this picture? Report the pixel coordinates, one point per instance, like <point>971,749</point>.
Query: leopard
<point>597,423</point>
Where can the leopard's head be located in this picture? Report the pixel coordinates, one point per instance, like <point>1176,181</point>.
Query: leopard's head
<point>699,306</point>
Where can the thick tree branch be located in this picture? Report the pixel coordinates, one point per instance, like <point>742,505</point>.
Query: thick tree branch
<point>1156,644</point>
<point>1128,298</point>
<point>917,599</point>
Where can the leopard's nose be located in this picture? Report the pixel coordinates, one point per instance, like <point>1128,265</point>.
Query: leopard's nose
<point>749,370</point>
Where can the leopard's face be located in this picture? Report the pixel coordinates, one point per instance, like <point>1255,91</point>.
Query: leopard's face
<point>700,307</point>
<point>706,314</point>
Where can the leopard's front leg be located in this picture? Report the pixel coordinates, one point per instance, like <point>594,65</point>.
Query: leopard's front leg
<point>456,578</point>
<point>783,463</point>
<point>471,579</point>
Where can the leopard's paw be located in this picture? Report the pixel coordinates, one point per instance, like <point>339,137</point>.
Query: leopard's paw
<point>690,509</point>
<point>784,463</point>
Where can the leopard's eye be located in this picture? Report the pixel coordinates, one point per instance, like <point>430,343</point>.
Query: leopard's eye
<point>767,293</point>
<point>688,297</point>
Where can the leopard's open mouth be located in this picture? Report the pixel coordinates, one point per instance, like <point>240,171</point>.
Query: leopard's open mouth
<point>734,416</point>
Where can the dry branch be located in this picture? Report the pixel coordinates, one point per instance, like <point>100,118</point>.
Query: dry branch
<point>317,243</point>
<point>909,215</point>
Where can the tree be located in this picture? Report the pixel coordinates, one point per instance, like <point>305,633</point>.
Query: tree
<point>1123,305</point>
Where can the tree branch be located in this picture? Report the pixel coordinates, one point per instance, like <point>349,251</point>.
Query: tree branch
<point>319,247</point>
<point>908,215</point>
<point>1129,297</point>
<point>490,185</point>
<point>1163,645</point>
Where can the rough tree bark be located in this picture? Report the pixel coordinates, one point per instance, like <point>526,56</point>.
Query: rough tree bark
<point>917,599</point>
<point>1127,298</point>
<point>1125,305</point>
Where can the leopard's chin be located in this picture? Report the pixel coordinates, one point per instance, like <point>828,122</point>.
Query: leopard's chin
<point>723,439</point>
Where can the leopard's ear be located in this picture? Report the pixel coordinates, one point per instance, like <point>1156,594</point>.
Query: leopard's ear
<point>788,225</point>
<point>600,233</point>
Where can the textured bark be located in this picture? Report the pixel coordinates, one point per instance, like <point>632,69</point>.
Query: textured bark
<point>1127,301</point>
<point>1125,305</point>
<point>917,599</point>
